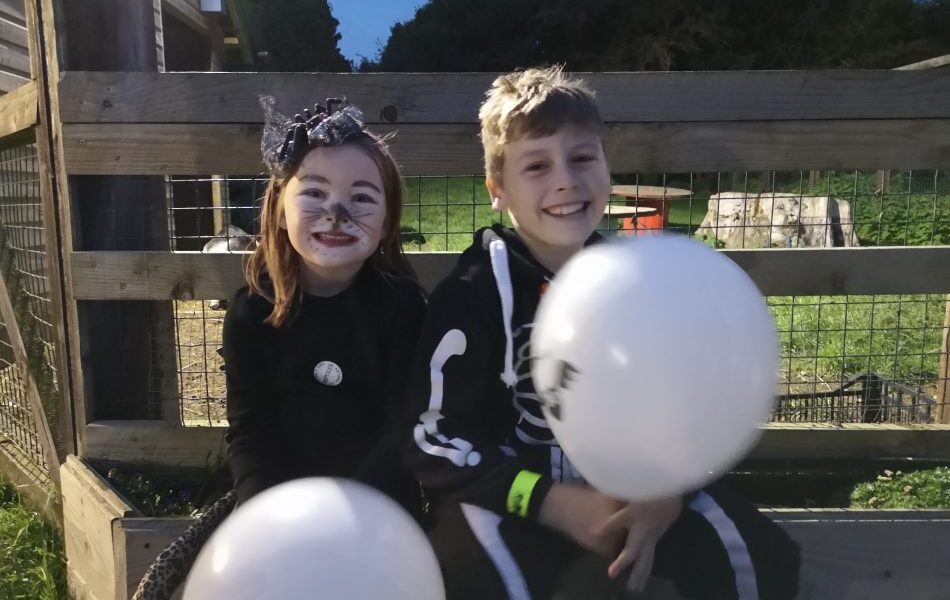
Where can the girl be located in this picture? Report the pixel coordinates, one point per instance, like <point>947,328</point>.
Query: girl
<point>316,347</point>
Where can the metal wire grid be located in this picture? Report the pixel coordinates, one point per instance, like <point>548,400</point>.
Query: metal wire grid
<point>23,258</point>
<point>860,359</point>
<point>754,209</point>
<point>19,440</point>
<point>845,359</point>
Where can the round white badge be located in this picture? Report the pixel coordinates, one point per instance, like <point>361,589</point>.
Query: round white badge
<point>328,373</point>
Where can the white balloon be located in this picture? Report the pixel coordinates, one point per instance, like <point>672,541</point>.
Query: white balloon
<point>319,538</point>
<point>657,359</point>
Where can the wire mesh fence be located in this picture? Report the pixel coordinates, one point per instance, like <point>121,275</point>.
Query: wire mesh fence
<point>730,210</point>
<point>845,358</point>
<point>25,268</point>
<point>860,359</point>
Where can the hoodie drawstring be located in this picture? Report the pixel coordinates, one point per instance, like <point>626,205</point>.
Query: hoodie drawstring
<point>498,253</point>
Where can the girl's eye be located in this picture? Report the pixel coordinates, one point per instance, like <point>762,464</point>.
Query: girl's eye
<point>364,198</point>
<point>313,193</point>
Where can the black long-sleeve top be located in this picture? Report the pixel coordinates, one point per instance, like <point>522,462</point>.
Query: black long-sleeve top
<point>481,436</point>
<point>324,393</point>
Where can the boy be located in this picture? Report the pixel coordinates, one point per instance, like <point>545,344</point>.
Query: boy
<point>512,517</point>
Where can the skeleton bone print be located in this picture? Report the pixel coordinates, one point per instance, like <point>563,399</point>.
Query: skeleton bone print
<point>532,428</point>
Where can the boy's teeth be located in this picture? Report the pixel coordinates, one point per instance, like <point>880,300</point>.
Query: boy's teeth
<point>566,209</point>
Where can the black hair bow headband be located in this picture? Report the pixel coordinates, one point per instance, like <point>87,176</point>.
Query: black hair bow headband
<point>285,141</point>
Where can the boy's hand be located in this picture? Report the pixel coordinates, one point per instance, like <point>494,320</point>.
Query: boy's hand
<point>579,512</point>
<point>643,523</point>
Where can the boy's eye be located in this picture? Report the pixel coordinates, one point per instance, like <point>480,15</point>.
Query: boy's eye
<point>364,198</point>
<point>534,167</point>
<point>583,158</point>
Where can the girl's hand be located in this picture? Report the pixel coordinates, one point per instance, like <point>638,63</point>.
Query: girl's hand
<point>643,523</point>
<point>579,512</point>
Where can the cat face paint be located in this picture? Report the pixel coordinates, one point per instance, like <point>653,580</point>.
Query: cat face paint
<point>334,209</point>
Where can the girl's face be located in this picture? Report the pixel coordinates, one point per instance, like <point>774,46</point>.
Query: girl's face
<point>334,210</point>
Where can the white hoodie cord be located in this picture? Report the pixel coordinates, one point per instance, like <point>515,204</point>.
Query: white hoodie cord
<point>498,252</point>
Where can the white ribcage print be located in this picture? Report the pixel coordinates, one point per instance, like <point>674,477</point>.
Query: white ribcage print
<point>532,427</point>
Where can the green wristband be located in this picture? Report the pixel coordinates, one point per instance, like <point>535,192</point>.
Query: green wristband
<point>519,496</point>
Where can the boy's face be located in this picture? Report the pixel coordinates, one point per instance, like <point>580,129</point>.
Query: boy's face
<point>555,188</point>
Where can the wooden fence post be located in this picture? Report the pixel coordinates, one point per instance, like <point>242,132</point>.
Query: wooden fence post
<point>943,376</point>
<point>54,198</point>
<point>129,362</point>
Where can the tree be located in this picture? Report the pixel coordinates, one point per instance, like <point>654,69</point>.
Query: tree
<point>635,35</point>
<point>297,35</point>
<point>459,35</point>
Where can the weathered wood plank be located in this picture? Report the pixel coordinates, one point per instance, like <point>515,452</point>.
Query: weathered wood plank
<point>159,443</point>
<point>876,555</point>
<point>943,374</point>
<point>149,149</point>
<point>120,35</point>
<point>155,442</point>
<point>13,10</point>
<point>188,12</point>
<point>12,31</point>
<point>852,441</point>
<point>15,59</point>
<point>138,541</point>
<point>778,272</point>
<point>90,505</point>
<point>159,35</point>
<point>841,551</point>
<point>455,97</point>
<point>18,109</point>
<point>54,194</point>
<point>10,81</point>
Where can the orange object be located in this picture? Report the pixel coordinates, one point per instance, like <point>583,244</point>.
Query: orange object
<point>650,197</point>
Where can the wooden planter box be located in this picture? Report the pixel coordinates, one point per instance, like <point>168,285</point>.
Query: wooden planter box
<point>847,554</point>
<point>109,544</point>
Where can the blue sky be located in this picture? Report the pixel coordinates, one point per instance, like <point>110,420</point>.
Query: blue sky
<point>364,24</point>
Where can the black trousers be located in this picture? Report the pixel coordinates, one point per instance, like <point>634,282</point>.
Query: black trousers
<point>720,547</point>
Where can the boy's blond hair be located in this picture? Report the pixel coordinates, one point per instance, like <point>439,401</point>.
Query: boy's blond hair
<point>531,104</point>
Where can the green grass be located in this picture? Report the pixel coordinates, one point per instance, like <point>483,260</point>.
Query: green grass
<point>920,489</point>
<point>440,213</point>
<point>831,338</point>
<point>826,340</point>
<point>32,562</point>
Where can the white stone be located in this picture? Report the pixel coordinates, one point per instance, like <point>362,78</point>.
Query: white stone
<point>777,220</point>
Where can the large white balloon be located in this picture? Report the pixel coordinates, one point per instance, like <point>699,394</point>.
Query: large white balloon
<point>320,539</point>
<point>657,359</point>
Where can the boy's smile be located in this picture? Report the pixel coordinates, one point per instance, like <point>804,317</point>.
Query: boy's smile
<point>567,210</point>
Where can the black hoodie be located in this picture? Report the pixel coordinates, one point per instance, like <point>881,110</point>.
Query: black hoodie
<point>324,393</point>
<point>481,437</point>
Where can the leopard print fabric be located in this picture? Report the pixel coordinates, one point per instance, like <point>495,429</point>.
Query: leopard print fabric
<point>172,566</point>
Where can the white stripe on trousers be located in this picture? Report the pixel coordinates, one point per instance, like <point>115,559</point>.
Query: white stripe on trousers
<point>484,524</point>
<point>733,543</point>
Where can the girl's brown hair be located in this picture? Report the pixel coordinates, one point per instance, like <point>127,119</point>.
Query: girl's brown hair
<point>273,270</point>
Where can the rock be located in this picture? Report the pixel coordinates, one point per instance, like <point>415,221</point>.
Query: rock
<point>777,220</point>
